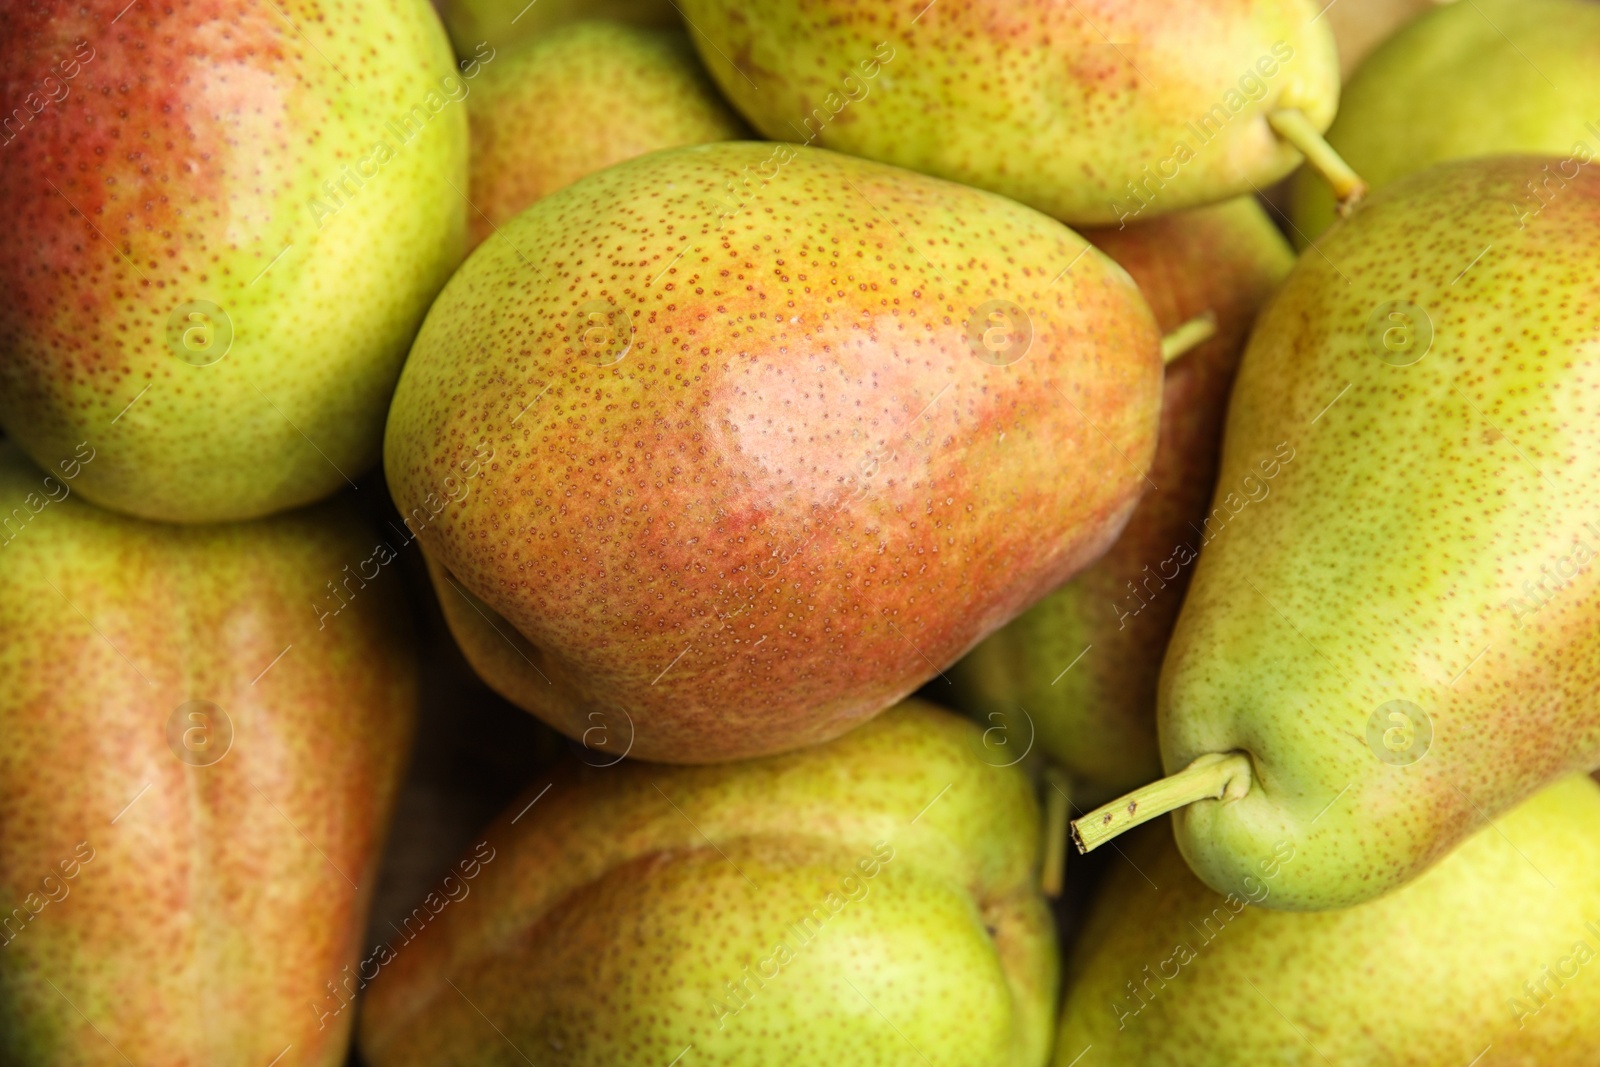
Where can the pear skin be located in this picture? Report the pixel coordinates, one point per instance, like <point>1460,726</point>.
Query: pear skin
<point>1082,663</point>
<point>872,900</point>
<point>751,462</point>
<point>1100,115</point>
<point>1485,78</point>
<point>1403,640</point>
<point>196,782</point>
<point>496,24</point>
<point>1495,950</point>
<point>226,223</point>
<point>577,100</point>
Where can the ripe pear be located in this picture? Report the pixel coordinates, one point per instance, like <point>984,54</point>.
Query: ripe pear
<point>508,23</point>
<point>1079,668</point>
<point>577,100</point>
<point>872,900</point>
<point>1485,78</point>
<point>226,224</point>
<point>196,779</point>
<point>1119,112</point>
<point>1359,26</point>
<point>1490,958</point>
<point>761,438</point>
<point>1403,640</point>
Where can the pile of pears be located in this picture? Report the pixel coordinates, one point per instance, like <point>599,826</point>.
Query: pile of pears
<point>674,533</point>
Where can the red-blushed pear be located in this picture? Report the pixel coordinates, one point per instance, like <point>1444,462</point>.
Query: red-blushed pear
<point>1488,958</point>
<point>226,220</point>
<point>577,100</point>
<point>763,437</point>
<point>205,728</point>
<point>1093,112</point>
<point>868,901</point>
<point>1403,639</point>
<point>1078,669</point>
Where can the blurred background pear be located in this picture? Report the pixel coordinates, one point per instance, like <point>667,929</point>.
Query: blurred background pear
<point>578,99</point>
<point>1478,78</point>
<point>205,728</point>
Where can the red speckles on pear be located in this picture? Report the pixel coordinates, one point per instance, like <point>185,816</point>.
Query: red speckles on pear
<point>1435,371</point>
<point>800,471</point>
<point>963,89</point>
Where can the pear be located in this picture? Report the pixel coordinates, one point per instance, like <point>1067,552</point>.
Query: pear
<point>1126,112</point>
<point>197,777</point>
<point>1359,26</point>
<point>226,225</point>
<point>1171,973</point>
<point>496,24</point>
<point>1484,78</point>
<point>1078,669</point>
<point>1403,640</point>
<point>872,900</point>
<point>577,100</point>
<point>760,438</point>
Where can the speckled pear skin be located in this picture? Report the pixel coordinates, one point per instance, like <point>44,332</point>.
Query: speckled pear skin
<point>1098,720</point>
<point>1451,86</point>
<point>509,23</point>
<point>800,492</point>
<point>1400,553</point>
<point>198,155</point>
<point>619,907</point>
<point>202,909</point>
<point>577,100</point>
<point>1026,97</point>
<point>1476,954</point>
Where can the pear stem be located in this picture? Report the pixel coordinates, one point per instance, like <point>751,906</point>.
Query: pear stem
<point>1057,793</point>
<point>1214,776</point>
<point>1195,332</point>
<point>1291,124</point>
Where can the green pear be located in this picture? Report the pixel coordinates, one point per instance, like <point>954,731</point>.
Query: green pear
<point>1491,957</point>
<point>1124,112</point>
<point>872,900</point>
<point>1359,26</point>
<point>724,449</point>
<point>197,777</point>
<point>577,100</point>
<point>1403,640</point>
<point>507,23</point>
<point>226,226</point>
<point>1485,78</point>
<point>1079,668</point>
